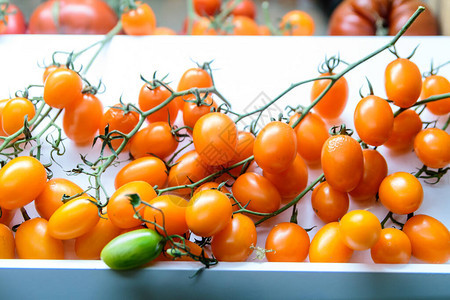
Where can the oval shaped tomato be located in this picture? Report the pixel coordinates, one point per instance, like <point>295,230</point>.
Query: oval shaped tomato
<point>403,82</point>
<point>200,26</point>
<point>329,204</point>
<point>215,138</point>
<point>169,212</point>
<point>256,193</point>
<point>244,8</point>
<point>334,101</point>
<point>193,77</point>
<point>297,22</point>
<point>287,242</point>
<point>20,172</point>
<point>211,186</point>
<point>149,169</point>
<point>244,149</point>
<point>436,85</point>
<point>207,7</point>
<point>139,20</point>
<point>3,103</point>
<point>151,96</point>
<point>155,139</point>
<point>50,199</point>
<point>430,239</point>
<point>243,25</point>
<point>62,88</point>
<point>234,242</point>
<point>185,246</point>
<point>51,68</point>
<point>82,121</point>
<point>327,246</point>
<point>360,229</point>
<point>7,244</point>
<point>14,113</point>
<point>33,241</point>
<point>432,147</point>
<point>401,193</point>
<point>208,212</point>
<point>275,147</point>
<point>342,162</point>
<point>393,247</point>
<point>193,111</point>
<point>406,126</point>
<point>16,20</point>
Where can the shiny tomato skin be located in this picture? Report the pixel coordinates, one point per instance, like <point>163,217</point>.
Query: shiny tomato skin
<point>155,139</point>
<point>403,82</point>
<point>432,147</point>
<point>201,26</point>
<point>327,246</point>
<point>192,111</point>
<point>406,126</point>
<point>244,149</point>
<point>329,204</point>
<point>7,244</point>
<point>20,172</point>
<point>140,20</point>
<point>430,239</point>
<point>211,186</point>
<point>245,8</point>
<point>50,199</point>
<point>360,229</point>
<point>334,101</point>
<point>342,162</point>
<point>436,85</point>
<point>149,169</point>
<point>16,20</point>
<point>62,88</point>
<point>234,242</point>
<point>393,247</point>
<point>33,241</point>
<point>207,7</point>
<point>3,103</point>
<point>297,22</point>
<point>243,25</point>
<point>288,242</point>
<point>275,147</point>
<point>150,97</point>
<point>14,112</point>
<point>193,78</point>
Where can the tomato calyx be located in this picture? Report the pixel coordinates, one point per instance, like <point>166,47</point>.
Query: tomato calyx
<point>432,174</point>
<point>341,130</point>
<point>328,66</point>
<point>393,50</point>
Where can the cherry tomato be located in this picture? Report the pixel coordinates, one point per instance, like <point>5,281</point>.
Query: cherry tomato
<point>193,111</point>
<point>119,120</point>
<point>169,212</point>
<point>432,147</point>
<point>14,113</point>
<point>193,78</point>
<point>264,30</point>
<point>393,247</point>
<point>62,88</point>
<point>406,126</point>
<point>244,149</point>
<point>360,229</point>
<point>15,18</point>
<point>436,85</point>
<point>149,169</point>
<point>297,22</point>
<point>192,247</point>
<point>50,69</point>
<point>342,162</point>
<point>119,208</point>
<point>164,31</point>
<point>275,147</point>
<point>256,192</point>
<point>202,26</point>
<point>7,244</point>
<point>234,242</point>
<point>150,97</point>
<point>33,241</point>
<point>3,102</point>
<point>327,246</point>
<point>22,179</point>
<point>215,138</point>
<point>91,244</point>
<point>208,213</point>
<point>211,186</point>
<point>430,239</point>
<point>155,139</point>
<point>375,170</point>
<point>403,82</point>
<point>374,120</point>
<point>401,193</point>
<point>287,242</point>
<point>329,204</point>
<point>139,20</point>
<point>245,8</point>
<point>291,181</point>
<point>6,216</point>
<point>334,101</point>
<point>243,25</point>
<point>207,7</point>
<point>50,199</point>
<point>81,122</point>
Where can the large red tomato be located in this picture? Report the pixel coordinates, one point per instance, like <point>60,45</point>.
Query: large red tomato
<point>73,17</point>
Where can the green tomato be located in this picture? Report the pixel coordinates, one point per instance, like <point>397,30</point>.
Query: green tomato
<point>132,249</point>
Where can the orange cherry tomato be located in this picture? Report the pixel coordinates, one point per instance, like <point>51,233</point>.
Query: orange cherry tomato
<point>244,8</point>
<point>90,244</point>
<point>432,147</point>
<point>243,25</point>
<point>154,140</point>
<point>202,26</point>
<point>264,30</point>
<point>169,212</point>
<point>50,199</point>
<point>406,126</point>
<point>208,213</point>
<point>7,244</point>
<point>327,246</point>
<point>334,101</point>
<point>374,120</point>
<point>164,31</point>
<point>193,111</point>
<point>192,247</point>
<point>62,88</point>
<point>193,78</point>
<point>151,96</point>
<point>149,169</point>
<point>215,138</point>
<point>139,20</point>
<point>50,69</point>
<point>211,186</point>
<point>22,179</point>
<point>119,208</point>
<point>401,193</point>
<point>436,85</point>
<point>342,162</point>
<point>234,242</point>
<point>375,170</point>
<point>287,242</point>
<point>14,112</point>
<point>297,22</point>
<point>275,147</point>
<point>74,218</point>
<point>33,241</point>
<point>329,204</point>
<point>360,229</point>
<point>430,239</point>
<point>3,102</point>
<point>207,7</point>
<point>256,192</point>
<point>403,82</point>
<point>244,149</point>
<point>393,247</point>
<point>6,216</point>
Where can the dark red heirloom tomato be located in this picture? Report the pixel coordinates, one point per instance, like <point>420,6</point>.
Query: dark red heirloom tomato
<point>73,17</point>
